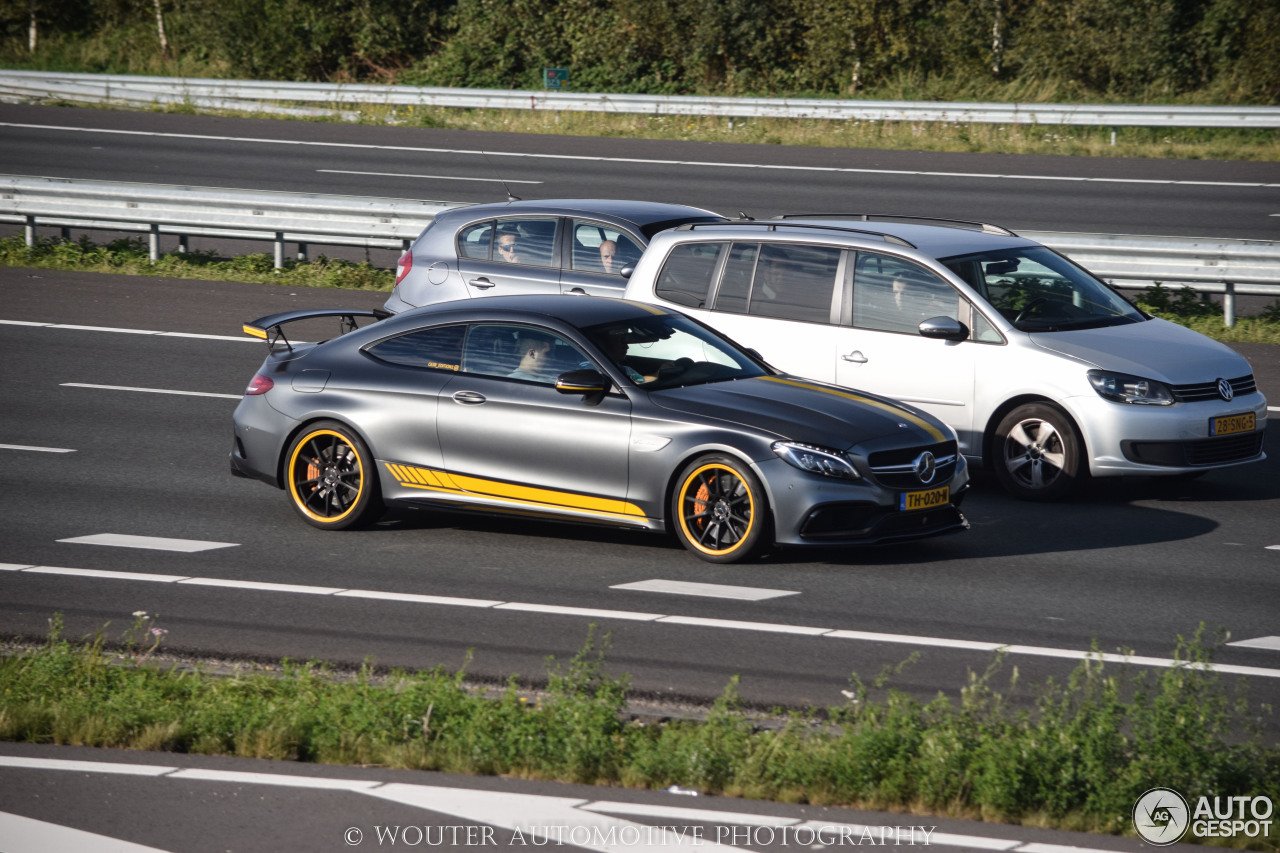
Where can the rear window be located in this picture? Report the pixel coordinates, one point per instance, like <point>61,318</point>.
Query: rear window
<point>438,348</point>
<point>686,275</point>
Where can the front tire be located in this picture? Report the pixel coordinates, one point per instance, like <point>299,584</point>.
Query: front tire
<point>1038,453</point>
<point>719,511</point>
<point>330,477</point>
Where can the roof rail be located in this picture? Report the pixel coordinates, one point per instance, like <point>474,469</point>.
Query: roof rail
<point>986,227</point>
<point>773,226</point>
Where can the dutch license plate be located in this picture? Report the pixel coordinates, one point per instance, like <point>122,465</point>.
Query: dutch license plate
<point>1230,424</point>
<point>924,500</point>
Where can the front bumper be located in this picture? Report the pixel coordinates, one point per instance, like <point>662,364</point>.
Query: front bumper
<point>1123,439</point>
<point>810,509</point>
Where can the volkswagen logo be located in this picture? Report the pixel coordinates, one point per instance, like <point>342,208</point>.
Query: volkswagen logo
<point>926,467</point>
<point>1225,391</point>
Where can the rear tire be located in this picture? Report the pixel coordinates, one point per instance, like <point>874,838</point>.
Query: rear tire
<point>330,477</point>
<point>719,511</point>
<point>1038,455</point>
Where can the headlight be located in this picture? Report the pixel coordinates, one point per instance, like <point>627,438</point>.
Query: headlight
<point>806,457</point>
<point>1124,388</point>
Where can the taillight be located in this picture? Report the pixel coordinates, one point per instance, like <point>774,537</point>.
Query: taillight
<point>403,266</point>
<point>259,385</point>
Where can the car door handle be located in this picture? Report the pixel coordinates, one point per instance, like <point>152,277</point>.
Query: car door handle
<point>468,398</point>
<point>856,357</point>
<point>482,283</point>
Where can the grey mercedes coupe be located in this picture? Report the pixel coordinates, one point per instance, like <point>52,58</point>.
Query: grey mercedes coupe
<point>594,410</point>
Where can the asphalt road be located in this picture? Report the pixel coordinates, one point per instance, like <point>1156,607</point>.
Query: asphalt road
<point>1120,196</point>
<point>1129,565</point>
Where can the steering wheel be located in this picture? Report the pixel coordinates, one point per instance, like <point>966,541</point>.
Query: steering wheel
<point>1029,308</point>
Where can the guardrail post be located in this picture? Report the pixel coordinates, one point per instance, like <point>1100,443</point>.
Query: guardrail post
<point>1229,304</point>
<point>184,243</point>
<point>153,241</point>
<point>279,250</point>
<point>302,251</point>
<point>66,233</point>
<point>29,231</point>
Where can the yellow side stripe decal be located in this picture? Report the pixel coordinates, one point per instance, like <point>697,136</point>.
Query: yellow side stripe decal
<point>424,478</point>
<point>893,410</point>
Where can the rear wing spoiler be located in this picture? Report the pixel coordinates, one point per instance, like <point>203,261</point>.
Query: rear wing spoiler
<point>271,327</point>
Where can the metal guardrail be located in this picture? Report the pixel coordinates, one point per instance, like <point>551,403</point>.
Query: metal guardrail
<point>1208,265</point>
<point>304,218</point>
<point>271,97</point>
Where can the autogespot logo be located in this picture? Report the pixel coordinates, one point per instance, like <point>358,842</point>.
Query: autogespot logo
<point>1160,816</point>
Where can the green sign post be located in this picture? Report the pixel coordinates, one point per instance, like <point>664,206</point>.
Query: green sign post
<point>555,78</point>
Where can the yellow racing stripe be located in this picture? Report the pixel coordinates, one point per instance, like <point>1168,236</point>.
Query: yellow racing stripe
<point>896,411</point>
<point>424,478</point>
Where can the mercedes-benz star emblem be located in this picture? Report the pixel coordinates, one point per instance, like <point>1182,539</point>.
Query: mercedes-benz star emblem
<point>926,467</point>
<point>1225,391</point>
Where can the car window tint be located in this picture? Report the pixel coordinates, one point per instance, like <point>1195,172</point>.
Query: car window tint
<point>686,274</point>
<point>794,282</point>
<point>439,348</point>
<point>474,240</point>
<point>894,295</point>
<point>519,352</point>
<point>593,241</point>
<point>735,281</point>
<point>534,241</point>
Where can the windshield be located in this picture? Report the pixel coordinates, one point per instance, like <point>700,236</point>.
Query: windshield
<point>1038,290</point>
<point>669,351</point>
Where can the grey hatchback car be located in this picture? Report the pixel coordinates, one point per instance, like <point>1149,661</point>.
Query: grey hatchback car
<point>535,246</point>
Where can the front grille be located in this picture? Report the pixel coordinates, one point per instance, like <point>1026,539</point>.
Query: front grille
<point>1183,454</point>
<point>1200,391</point>
<point>895,469</point>
<point>868,523</point>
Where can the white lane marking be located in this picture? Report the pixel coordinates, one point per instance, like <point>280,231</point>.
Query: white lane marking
<point>694,163</point>
<point>1273,408</point>
<point>590,612</point>
<point>424,177</point>
<point>1269,643</point>
<point>153,543</point>
<point>28,835</point>
<point>689,621</point>
<point>150,390</point>
<point>533,813</point>
<point>708,590</point>
<point>37,449</point>
<point>244,339</point>
<point>739,625</point>
<point>1273,548</point>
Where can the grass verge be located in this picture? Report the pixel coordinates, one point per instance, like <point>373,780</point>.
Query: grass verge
<point>129,256</point>
<point>1077,758</point>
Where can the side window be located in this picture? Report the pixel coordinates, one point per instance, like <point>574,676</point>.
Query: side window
<point>735,282</point>
<point>519,352</point>
<point>686,274</point>
<point>438,348</point>
<point>600,247</point>
<point>795,282</point>
<point>895,295</point>
<point>530,242</point>
<point>474,240</point>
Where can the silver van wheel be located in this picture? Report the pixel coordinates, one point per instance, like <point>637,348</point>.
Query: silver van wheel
<point>1038,453</point>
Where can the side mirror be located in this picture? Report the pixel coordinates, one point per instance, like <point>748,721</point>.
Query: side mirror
<point>944,328</point>
<point>626,271</point>
<point>587,382</point>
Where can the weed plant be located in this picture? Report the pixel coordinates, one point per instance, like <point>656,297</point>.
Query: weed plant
<point>1076,757</point>
<point>130,256</point>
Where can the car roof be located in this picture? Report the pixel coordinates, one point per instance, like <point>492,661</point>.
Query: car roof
<point>935,239</point>
<point>574,309</point>
<point>639,212</point>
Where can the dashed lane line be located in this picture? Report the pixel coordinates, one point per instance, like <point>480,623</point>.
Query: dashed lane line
<point>655,618</point>
<point>706,590</point>
<point>36,449</point>
<point>152,543</point>
<point>124,331</point>
<point>150,390</point>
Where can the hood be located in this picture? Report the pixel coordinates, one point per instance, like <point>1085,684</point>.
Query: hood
<point>1156,349</point>
<point>805,411</point>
